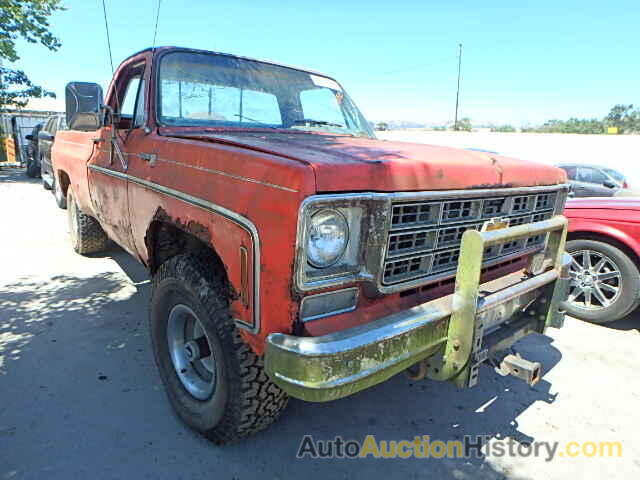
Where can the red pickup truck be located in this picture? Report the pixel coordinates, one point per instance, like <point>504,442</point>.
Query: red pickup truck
<point>293,253</point>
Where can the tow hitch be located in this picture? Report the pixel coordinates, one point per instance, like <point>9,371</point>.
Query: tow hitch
<point>514,364</point>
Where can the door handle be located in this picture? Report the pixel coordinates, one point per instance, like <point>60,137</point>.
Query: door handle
<point>149,157</point>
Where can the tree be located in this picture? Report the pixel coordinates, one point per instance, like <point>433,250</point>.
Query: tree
<point>382,126</point>
<point>26,20</point>
<point>464,124</point>
<point>624,118</point>
<point>504,129</point>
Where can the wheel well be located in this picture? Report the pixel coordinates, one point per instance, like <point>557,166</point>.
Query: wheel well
<point>165,240</point>
<point>599,237</point>
<point>64,181</point>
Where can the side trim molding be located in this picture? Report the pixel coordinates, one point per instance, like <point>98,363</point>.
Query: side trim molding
<point>239,220</point>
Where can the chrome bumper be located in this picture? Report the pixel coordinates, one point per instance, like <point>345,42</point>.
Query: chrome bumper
<point>450,329</point>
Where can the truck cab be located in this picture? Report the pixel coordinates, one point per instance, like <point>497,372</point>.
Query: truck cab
<point>292,252</point>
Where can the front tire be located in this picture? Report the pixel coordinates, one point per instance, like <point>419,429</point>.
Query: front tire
<point>605,282</point>
<point>86,233</point>
<point>216,384</point>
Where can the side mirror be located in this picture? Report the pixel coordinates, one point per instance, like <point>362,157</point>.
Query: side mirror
<point>610,184</point>
<point>83,101</point>
<point>45,136</point>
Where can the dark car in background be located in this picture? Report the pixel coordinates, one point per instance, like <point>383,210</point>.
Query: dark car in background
<point>46,136</point>
<point>33,156</point>
<point>604,241</point>
<point>594,180</point>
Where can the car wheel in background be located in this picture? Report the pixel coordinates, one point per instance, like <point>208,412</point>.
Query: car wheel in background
<point>32,169</point>
<point>605,282</point>
<point>86,233</point>
<point>45,184</point>
<point>61,200</point>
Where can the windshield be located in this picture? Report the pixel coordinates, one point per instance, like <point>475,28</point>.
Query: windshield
<point>213,90</point>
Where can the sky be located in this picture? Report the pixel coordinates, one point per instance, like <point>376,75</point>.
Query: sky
<point>522,62</point>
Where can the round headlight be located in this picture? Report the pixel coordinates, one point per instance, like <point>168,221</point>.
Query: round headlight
<point>327,239</point>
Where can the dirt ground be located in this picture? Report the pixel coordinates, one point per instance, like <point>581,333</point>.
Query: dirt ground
<point>621,152</point>
<point>80,396</point>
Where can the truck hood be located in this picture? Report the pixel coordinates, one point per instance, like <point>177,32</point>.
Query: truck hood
<point>343,163</point>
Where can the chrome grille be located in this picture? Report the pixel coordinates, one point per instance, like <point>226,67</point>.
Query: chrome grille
<point>416,214</point>
<point>411,242</point>
<point>451,236</point>
<point>494,207</point>
<point>425,236</point>
<point>461,211</point>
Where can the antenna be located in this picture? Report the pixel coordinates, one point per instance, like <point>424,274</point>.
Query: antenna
<point>155,31</point>
<point>455,122</point>
<point>147,129</point>
<point>106,26</point>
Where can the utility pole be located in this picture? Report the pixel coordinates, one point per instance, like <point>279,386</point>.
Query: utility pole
<point>455,122</point>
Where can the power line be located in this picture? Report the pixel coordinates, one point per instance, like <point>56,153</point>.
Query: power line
<point>455,122</point>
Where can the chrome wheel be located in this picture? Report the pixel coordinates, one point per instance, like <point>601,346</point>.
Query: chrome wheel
<point>596,281</point>
<point>191,352</point>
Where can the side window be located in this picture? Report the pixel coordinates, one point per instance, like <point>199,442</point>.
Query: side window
<point>591,175</point>
<point>140,111</point>
<point>129,100</point>
<point>133,101</point>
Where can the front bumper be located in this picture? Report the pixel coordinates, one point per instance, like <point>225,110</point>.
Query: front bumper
<point>457,331</point>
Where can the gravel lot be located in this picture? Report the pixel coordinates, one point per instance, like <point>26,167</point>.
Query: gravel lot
<point>80,396</point>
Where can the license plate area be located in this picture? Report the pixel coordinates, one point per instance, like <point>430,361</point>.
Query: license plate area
<point>496,316</point>
<point>473,311</point>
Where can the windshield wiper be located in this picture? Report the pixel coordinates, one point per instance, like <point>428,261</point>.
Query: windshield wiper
<point>311,123</point>
<point>242,117</point>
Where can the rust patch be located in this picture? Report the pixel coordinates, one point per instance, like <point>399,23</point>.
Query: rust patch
<point>166,239</point>
<point>192,227</point>
<point>490,185</point>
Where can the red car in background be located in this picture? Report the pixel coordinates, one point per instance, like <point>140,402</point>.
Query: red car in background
<point>604,241</point>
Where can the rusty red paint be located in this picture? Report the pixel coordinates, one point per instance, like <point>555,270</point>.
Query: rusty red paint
<point>373,165</point>
<point>263,177</point>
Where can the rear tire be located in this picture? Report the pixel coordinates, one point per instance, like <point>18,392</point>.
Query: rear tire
<point>32,169</point>
<point>610,291</point>
<point>61,200</point>
<point>45,185</point>
<point>231,397</point>
<point>86,233</point>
